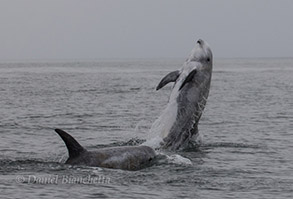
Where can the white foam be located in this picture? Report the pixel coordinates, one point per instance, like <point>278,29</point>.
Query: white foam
<point>162,126</point>
<point>153,142</point>
<point>178,159</point>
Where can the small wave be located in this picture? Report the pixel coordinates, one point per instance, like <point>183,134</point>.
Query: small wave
<point>229,145</point>
<point>12,165</point>
<point>131,142</point>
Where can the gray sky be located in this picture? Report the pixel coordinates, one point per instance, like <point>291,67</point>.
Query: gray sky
<point>96,29</point>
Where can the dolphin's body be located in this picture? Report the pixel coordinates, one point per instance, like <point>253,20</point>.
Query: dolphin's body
<point>124,157</point>
<point>179,121</point>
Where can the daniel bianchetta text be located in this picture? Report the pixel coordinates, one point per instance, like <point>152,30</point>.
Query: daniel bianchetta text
<point>63,179</point>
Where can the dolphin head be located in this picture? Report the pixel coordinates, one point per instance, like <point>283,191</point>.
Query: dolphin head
<point>195,73</point>
<point>201,53</point>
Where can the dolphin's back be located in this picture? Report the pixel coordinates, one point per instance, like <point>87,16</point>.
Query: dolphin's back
<point>123,157</point>
<point>127,157</point>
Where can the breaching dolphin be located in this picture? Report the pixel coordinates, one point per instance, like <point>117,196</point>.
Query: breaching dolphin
<point>124,157</point>
<point>178,122</point>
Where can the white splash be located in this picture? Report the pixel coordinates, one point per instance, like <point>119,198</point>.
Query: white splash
<point>178,159</point>
<point>162,126</point>
<point>138,129</point>
<point>153,142</point>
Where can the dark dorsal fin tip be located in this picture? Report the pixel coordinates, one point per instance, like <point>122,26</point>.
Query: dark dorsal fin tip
<point>73,147</point>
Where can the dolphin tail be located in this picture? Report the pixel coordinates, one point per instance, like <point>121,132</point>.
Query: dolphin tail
<point>73,147</point>
<point>170,77</point>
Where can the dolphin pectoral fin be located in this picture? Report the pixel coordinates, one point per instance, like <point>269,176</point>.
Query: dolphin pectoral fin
<point>73,147</point>
<point>188,78</point>
<point>171,77</point>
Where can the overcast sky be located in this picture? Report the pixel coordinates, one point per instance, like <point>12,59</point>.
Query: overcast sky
<point>97,29</point>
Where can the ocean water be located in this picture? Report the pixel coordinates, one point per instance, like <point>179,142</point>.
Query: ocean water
<point>246,130</point>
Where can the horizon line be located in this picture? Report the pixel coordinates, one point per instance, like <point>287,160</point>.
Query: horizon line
<point>119,59</point>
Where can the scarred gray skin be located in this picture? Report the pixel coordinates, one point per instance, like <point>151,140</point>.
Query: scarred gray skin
<point>124,157</point>
<point>188,96</point>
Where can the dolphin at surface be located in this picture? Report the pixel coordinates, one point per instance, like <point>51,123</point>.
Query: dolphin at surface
<point>124,157</point>
<point>178,123</point>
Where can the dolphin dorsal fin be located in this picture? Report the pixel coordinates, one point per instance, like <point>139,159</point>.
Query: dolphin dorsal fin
<point>73,147</point>
<point>170,77</point>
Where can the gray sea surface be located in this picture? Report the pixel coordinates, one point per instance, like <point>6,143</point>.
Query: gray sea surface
<point>246,129</point>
